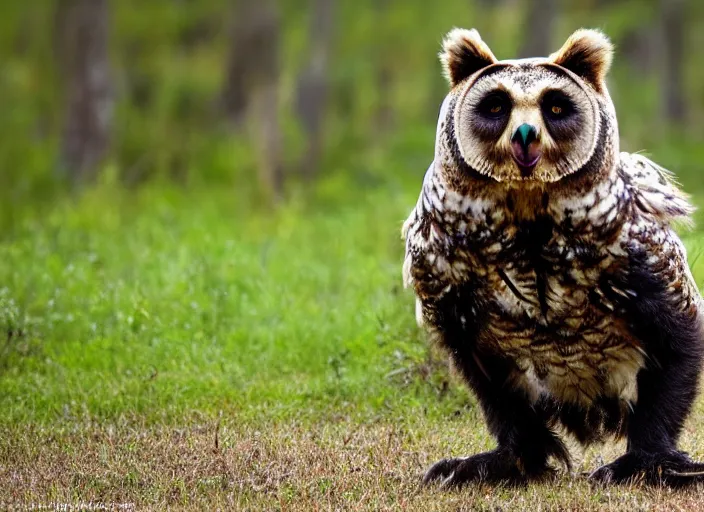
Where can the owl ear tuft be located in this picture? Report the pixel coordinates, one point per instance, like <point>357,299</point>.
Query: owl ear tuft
<point>588,54</point>
<point>463,54</point>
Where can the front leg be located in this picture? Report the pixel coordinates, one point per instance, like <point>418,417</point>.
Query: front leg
<point>520,425</point>
<point>670,332</point>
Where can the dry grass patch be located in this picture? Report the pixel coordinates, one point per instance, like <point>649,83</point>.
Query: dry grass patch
<point>328,466</point>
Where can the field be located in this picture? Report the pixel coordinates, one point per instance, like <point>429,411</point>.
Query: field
<point>178,348</point>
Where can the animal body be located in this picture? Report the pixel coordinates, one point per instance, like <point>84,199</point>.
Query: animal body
<point>544,261</point>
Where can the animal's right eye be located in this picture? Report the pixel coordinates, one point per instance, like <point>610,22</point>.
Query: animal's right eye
<point>495,105</point>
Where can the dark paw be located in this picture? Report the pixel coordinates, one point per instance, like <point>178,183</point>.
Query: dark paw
<point>490,467</point>
<point>673,468</point>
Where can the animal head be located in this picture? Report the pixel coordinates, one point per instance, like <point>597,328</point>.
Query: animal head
<point>536,120</point>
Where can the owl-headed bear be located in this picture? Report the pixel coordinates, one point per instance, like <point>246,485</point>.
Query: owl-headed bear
<point>544,260</point>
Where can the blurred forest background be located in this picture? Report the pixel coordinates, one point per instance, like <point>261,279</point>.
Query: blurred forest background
<point>274,98</point>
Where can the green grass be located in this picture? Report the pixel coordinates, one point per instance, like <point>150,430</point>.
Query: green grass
<point>137,317</point>
<point>157,306</point>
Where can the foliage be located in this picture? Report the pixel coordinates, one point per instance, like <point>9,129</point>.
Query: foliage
<point>169,56</point>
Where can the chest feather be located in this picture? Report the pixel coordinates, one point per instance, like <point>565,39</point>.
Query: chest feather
<point>543,306</point>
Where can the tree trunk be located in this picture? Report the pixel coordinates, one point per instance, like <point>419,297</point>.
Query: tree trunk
<point>640,48</point>
<point>384,117</point>
<point>312,91</point>
<point>82,30</point>
<point>672,19</point>
<point>251,89</point>
<point>538,28</point>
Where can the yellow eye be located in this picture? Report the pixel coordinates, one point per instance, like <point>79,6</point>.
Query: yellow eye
<point>496,109</point>
<point>556,110</point>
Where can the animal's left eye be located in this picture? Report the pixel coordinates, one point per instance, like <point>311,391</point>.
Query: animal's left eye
<point>556,106</point>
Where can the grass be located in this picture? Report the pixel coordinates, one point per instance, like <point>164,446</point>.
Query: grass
<point>169,305</point>
<point>183,349</point>
<point>291,465</point>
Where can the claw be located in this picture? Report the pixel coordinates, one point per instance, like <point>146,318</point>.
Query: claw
<point>497,466</point>
<point>449,482</point>
<point>689,474</point>
<point>441,470</point>
<point>669,468</point>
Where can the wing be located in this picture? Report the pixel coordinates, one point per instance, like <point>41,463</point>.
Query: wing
<point>650,240</point>
<point>665,304</point>
<point>424,265</point>
<point>654,188</point>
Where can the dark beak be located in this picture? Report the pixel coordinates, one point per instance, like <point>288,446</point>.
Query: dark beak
<point>526,148</point>
<point>524,135</point>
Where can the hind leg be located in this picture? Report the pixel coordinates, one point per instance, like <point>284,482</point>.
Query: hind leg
<point>667,387</point>
<point>665,396</point>
<point>664,313</point>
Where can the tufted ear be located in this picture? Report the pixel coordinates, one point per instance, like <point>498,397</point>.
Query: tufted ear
<point>463,54</point>
<point>588,54</point>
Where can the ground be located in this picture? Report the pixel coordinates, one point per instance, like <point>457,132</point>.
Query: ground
<point>181,349</point>
<point>330,465</point>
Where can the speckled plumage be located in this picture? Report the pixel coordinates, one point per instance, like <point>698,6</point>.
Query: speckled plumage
<point>536,278</point>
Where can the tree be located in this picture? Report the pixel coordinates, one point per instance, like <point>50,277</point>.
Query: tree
<point>384,71</point>
<point>538,28</point>
<point>82,36</point>
<point>672,21</point>
<point>251,89</point>
<point>312,93</point>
